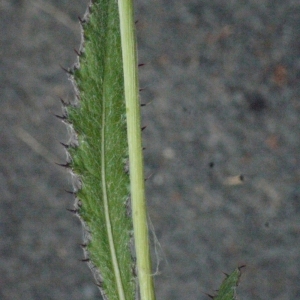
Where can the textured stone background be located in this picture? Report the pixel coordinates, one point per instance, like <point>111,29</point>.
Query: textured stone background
<point>223,81</point>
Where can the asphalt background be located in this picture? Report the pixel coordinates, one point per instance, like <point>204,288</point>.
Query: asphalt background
<point>222,79</point>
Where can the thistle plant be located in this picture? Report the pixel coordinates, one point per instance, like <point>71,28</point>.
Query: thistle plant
<point>105,155</point>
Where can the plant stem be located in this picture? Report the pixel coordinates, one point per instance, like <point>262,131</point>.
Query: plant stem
<point>136,167</point>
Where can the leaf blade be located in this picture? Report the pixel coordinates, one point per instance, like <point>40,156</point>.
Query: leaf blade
<point>99,121</point>
<point>227,289</point>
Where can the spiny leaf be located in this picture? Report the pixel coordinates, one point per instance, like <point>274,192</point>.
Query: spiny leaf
<point>228,286</point>
<point>99,129</point>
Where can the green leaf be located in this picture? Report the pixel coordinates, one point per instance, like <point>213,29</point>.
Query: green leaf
<point>227,289</point>
<point>98,159</point>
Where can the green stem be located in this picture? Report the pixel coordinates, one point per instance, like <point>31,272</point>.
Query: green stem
<point>136,167</point>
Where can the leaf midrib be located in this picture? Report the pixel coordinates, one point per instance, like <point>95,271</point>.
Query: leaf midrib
<point>116,267</point>
<point>115,263</point>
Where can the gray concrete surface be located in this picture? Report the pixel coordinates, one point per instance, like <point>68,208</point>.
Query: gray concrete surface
<point>223,81</point>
